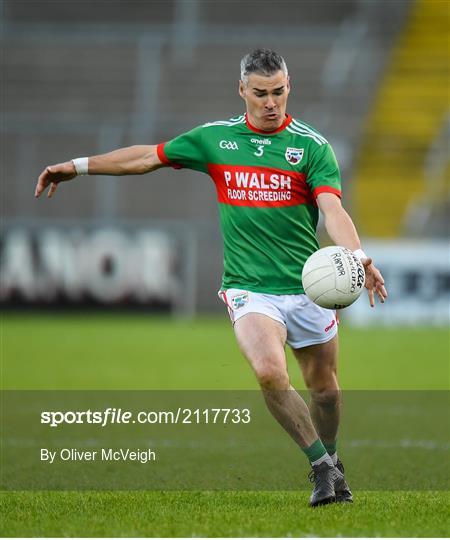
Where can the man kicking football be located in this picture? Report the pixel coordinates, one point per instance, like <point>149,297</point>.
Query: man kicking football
<point>273,174</point>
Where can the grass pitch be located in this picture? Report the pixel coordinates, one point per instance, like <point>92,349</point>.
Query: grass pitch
<point>222,514</point>
<point>138,352</point>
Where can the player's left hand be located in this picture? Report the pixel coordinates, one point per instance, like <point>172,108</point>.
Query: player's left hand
<point>374,282</point>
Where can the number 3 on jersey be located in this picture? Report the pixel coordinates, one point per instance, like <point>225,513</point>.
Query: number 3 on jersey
<point>259,152</point>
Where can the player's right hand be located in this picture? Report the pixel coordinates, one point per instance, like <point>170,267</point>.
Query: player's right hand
<point>374,282</point>
<point>52,176</point>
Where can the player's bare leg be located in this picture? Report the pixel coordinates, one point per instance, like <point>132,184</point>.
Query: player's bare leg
<point>319,367</point>
<point>262,341</point>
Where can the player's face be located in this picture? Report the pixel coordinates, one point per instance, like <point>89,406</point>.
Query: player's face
<point>265,98</point>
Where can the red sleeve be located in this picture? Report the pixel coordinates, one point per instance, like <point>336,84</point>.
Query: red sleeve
<point>163,158</point>
<point>326,189</point>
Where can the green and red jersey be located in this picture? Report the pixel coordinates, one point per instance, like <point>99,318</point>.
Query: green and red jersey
<point>267,184</point>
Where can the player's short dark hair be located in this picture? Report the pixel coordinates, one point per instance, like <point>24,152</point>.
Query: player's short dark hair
<point>262,61</point>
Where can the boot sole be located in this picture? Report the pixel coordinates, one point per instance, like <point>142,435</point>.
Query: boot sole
<point>343,499</point>
<point>322,502</point>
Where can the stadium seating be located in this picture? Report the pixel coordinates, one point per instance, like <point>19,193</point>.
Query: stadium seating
<point>409,114</point>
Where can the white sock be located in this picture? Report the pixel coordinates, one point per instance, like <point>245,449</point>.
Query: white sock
<point>334,458</point>
<point>326,458</point>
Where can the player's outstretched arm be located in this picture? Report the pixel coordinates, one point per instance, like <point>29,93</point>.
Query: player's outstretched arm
<point>342,231</point>
<point>139,159</point>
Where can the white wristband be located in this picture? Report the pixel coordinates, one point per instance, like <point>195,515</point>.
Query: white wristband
<point>81,165</point>
<point>359,253</point>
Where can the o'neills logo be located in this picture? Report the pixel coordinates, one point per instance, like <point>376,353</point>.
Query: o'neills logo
<point>330,326</point>
<point>240,185</point>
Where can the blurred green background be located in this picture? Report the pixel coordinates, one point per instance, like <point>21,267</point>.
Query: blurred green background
<point>88,351</point>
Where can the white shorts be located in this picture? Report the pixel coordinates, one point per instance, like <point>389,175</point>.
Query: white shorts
<point>306,323</point>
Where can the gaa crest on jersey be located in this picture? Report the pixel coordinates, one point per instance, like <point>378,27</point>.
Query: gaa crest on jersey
<point>239,300</point>
<point>294,155</point>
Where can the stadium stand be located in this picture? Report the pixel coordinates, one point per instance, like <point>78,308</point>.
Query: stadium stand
<point>409,119</point>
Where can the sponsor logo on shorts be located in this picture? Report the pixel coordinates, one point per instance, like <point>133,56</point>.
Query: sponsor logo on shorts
<point>239,300</point>
<point>330,326</point>
<point>294,155</point>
